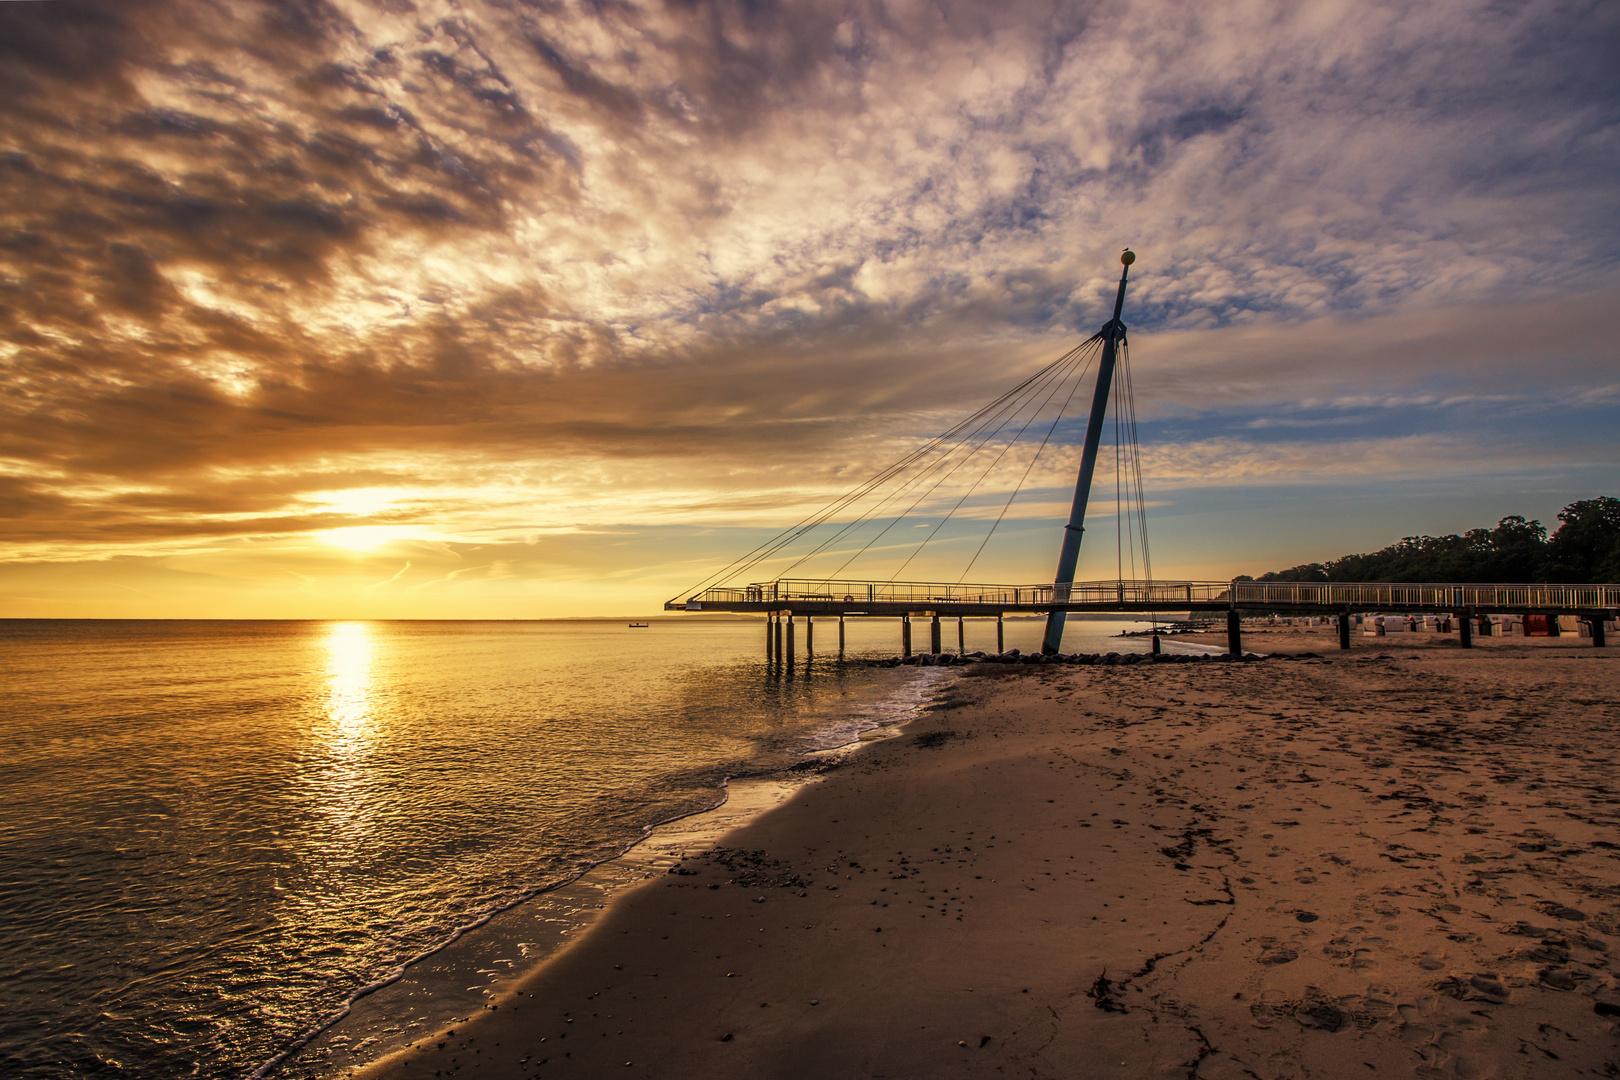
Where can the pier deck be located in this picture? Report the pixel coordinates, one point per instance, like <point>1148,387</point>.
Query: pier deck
<point>786,599</point>
<point>892,598</point>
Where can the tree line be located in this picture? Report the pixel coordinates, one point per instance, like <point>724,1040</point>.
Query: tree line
<point>1585,549</point>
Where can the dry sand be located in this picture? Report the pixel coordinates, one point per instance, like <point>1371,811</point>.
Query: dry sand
<point>1393,861</point>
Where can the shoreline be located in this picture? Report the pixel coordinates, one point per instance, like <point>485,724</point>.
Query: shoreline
<point>513,942</point>
<point>1329,863</point>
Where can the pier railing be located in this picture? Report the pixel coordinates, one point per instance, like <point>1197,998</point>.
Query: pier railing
<point>924,593</point>
<point>1329,594</point>
<point>1163,595</point>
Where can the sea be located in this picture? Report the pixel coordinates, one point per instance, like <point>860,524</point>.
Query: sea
<point>219,836</point>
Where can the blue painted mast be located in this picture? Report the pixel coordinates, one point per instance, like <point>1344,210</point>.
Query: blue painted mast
<point>1112,334</point>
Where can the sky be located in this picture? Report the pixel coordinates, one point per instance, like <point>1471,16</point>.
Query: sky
<point>521,309</point>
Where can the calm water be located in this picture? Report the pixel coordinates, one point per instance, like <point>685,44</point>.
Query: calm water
<point>216,832</point>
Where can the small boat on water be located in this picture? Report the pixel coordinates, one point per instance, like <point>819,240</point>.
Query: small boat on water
<point>639,625</point>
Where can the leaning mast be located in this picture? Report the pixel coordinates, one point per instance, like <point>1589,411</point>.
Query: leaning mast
<point>1113,333</point>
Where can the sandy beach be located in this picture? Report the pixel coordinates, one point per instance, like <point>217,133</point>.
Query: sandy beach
<point>1399,860</point>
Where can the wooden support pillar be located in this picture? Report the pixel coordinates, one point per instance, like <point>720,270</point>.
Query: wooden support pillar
<point>905,635</point>
<point>1157,648</point>
<point>770,629</point>
<point>840,637</point>
<point>777,616</point>
<point>1001,641</point>
<point>809,636</point>
<point>788,656</point>
<point>961,637</point>
<point>1234,633</point>
<point>933,634</point>
<point>1598,633</point>
<point>1344,630</point>
<point>1465,628</point>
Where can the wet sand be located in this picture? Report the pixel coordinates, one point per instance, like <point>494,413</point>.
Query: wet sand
<point>1392,861</point>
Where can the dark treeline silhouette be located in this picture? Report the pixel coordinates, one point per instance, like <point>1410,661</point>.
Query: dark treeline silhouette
<point>1585,549</point>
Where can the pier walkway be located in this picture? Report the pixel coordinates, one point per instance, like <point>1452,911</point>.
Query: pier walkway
<point>787,598</point>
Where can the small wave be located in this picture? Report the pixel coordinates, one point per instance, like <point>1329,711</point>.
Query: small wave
<point>900,705</point>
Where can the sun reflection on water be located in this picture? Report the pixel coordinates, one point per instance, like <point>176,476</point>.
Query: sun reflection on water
<point>349,660</point>
<point>345,739</point>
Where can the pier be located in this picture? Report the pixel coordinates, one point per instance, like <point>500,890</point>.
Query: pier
<point>893,494</point>
<point>783,600</point>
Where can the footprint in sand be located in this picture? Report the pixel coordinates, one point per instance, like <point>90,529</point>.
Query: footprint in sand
<point>1320,1012</point>
<point>1556,978</point>
<point>1278,954</point>
<point>1480,987</point>
<point>1430,962</point>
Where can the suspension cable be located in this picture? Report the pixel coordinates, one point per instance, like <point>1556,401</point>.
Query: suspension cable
<point>975,486</point>
<point>1027,469</point>
<point>946,454</point>
<point>744,563</point>
<point>1013,408</point>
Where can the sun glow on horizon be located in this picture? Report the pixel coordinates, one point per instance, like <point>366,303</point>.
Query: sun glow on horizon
<point>360,502</point>
<point>367,537</point>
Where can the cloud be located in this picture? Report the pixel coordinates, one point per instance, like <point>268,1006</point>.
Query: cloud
<point>560,267</point>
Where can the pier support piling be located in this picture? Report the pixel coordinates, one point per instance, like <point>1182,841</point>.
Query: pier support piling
<point>1001,641</point>
<point>1344,629</point>
<point>1234,633</point>
<point>840,637</point>
<point>905,635</point>
<point>961,637</point>
<point>809,636</point>
<point>1465,627</point>
<point>933,634</point>
<point>788,656</point>
<point>769,629</point>
<point>1598,633</point>
<point>777,618</point>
